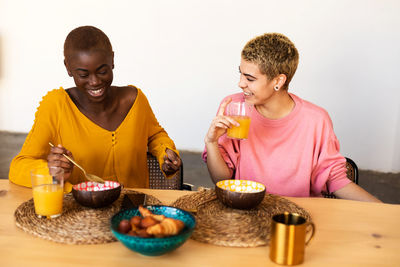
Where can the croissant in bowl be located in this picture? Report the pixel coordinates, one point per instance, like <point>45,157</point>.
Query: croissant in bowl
<point>151,225</point>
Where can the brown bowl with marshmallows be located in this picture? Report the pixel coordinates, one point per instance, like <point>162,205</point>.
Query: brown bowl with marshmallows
<point>240,194</point>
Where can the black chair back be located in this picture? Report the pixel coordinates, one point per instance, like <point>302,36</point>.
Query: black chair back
<point>352,170</point>
<point>352,174</point>
<point>157,180</point>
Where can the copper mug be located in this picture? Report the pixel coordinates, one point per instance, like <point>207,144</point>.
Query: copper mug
<point>288,238</point>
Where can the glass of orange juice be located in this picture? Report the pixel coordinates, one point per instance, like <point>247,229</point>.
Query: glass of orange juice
<point>48,191</point>
<point>239,111</point>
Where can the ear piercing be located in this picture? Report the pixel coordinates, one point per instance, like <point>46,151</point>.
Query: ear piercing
<point>276,88</point>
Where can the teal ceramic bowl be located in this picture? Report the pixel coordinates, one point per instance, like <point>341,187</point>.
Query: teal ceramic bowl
<point>153,246</point>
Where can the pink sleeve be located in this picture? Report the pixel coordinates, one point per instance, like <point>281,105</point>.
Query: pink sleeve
<point>330,171</point>
<point>229,151</point>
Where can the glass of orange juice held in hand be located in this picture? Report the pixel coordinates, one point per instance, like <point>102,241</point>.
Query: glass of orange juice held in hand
<point>48,191</point>
<point>239,111</point>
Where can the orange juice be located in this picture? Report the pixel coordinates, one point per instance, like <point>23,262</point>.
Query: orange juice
<point>241,131</point>
<point>48,199</point>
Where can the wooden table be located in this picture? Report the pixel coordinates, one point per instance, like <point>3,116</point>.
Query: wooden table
<point>349,233</point>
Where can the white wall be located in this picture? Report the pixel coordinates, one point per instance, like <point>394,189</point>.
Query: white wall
<point>185,57</point>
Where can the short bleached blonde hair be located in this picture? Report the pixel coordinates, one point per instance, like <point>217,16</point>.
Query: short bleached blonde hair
<point>274,54</point>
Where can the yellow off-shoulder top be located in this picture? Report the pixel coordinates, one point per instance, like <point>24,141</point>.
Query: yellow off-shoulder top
<point>118,155</point>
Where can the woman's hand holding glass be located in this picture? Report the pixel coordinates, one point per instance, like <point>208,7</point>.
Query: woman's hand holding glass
<point>220,124</point>
<point>56,159</point>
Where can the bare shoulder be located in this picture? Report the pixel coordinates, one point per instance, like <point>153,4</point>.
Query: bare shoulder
<point>127,95</point>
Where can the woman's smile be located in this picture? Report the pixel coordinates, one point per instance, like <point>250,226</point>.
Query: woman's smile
<point>246,94</point>
<point>96,92</point>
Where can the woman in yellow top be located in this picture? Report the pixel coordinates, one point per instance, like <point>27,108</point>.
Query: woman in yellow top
<point>106,129</point>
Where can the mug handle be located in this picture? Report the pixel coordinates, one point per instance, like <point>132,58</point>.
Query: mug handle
<point>312,231</point>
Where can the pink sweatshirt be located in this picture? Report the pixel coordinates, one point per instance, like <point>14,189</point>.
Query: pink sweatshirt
<point>297,155</point>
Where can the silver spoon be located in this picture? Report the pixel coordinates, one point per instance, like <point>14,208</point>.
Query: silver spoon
<point>90,177</point>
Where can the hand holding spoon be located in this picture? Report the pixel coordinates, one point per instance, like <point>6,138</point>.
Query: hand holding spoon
<point>89,177</point>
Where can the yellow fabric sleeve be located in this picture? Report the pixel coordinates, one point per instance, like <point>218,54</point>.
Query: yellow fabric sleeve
<point>118,155</point>
<point>159,141</point>
<point>36,148</point>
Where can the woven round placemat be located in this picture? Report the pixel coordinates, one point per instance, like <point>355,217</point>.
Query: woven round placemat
<point>77,224</point>
<point>223,226</point>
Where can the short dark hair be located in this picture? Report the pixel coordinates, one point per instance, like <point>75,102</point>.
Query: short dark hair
<point>86,38</point>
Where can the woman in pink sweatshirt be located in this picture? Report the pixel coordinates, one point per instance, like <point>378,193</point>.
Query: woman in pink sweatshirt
<point>291,146</point>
